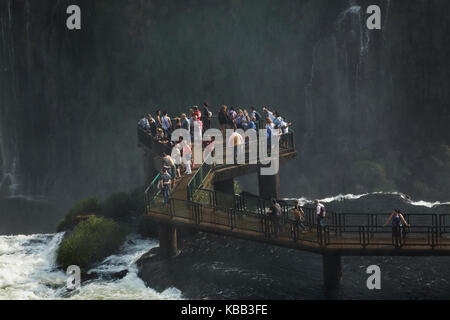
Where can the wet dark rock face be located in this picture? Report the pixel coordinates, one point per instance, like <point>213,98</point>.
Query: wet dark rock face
<point>373,102</point>
<point>27,216</point>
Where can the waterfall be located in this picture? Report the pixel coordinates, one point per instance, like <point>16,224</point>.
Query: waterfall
<point>9,182</point>
<point>354,11</point>
<point>354,39</point>
<point>309,103</point>
<point>386,16</point>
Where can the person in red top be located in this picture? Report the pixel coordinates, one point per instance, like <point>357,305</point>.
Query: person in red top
<point>197,112</point>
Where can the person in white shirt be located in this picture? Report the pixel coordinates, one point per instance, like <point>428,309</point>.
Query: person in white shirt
<point>269,114</point>
<point>270,128</point>
<point>176,156</point>
<point>198,127</point>
<point>283,125</point>
<point>187,156</point>
<point>143,123</point>
<point>320,213</point>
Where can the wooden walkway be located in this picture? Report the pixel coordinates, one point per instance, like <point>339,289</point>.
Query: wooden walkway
<point>345,234</point>
<point>351,240</point>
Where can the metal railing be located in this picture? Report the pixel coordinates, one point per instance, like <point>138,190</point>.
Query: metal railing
<point>198,178</point>
<point>145,138</point>
<point>152,191</point>
<point>235,216</point>
<point>249,213</point>
<point>196,182</point>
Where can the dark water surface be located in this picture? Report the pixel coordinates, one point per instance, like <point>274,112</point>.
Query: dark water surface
<point>218,267</point>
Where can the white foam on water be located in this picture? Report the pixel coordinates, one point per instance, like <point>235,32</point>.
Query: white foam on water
<point>429,204</point>
<point>27,268</point>
<point>28,271</point>
<point>129,287</point>
<point>343,197</point>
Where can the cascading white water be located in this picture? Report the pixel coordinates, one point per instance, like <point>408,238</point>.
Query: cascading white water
<point>355,12</point>
<point>28,271</point>
<point>309,101</point>
<point>9,183</point>
<point>342,197</point>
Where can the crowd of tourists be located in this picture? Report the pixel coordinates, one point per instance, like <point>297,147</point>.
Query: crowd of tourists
<point>275,213</point>
<point>396,219</point>
<point>198,120</point>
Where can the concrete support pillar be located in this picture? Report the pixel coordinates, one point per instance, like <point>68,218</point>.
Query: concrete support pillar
<point>226,186</point>
<point>332,273</point>
<point>167,240</point>
<point>269,186</point>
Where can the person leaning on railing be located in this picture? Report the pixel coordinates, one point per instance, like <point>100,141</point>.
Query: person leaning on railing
<point>398,222</point>
<point>152,124</point>
<point>160,137</point>
<point>255,114</point>
<point>143,123</point>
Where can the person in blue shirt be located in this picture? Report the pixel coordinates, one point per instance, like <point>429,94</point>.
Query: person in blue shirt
<point>255,114</point>
<point>143,123</point>
<point>251,124</point>
<point>185,123</point>
<point>398,223</point>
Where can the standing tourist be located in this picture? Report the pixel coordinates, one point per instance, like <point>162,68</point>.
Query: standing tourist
<point>398,223</point>
<point>166,124</point>
<point>320,213</point>
<point>299,215</point>
<point>166,180</point>
<point>207,115</point>
<point>275,215</point>
<point>223,119</point>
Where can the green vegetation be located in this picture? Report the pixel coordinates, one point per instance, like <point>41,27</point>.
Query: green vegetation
<point>99,227</point>
<point>88,206</point>
<point>91,241</point>
<point>120,207</point>
<point>372,176</point>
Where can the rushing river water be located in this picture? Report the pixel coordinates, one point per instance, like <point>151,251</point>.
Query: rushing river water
<point>222,268</point>
<point>27,271</point>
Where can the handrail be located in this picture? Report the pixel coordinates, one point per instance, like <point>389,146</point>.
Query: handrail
<point>152,191</point>
<point>198,178</point>
<point>426,229</point>
<point>286,144</point>
<point>360,235</point>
